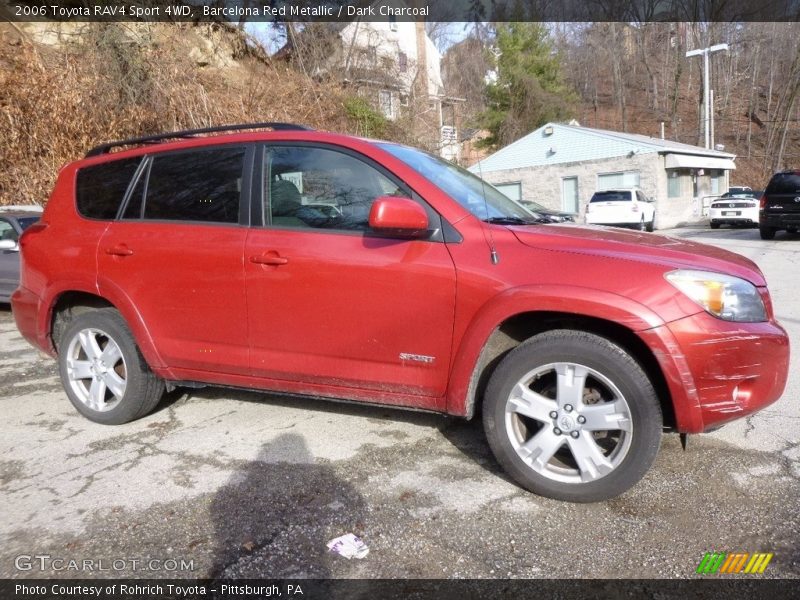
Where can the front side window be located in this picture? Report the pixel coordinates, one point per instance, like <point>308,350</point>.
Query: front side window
<point>101,188</point>
<point>200,185</point>
<point>7,231</point>
<point>480,198</point>
<point>322,189</point>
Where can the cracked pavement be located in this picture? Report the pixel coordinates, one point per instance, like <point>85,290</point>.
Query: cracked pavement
<point>242,484</point>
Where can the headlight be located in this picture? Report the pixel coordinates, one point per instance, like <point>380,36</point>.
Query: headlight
<point>724,296</point>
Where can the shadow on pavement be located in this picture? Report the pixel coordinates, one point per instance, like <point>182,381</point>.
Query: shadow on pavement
<point>274,517</point>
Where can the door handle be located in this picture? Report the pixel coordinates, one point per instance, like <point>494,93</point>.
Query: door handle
<point>119,250</point>
<point>269,259</point>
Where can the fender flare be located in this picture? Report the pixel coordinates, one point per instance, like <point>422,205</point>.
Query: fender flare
<point>117,298</point>
<point>574,300</point>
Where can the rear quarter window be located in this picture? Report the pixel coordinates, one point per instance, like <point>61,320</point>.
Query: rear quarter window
<point>201,185</point>
<point>100,189</point>
<point>784,183</point>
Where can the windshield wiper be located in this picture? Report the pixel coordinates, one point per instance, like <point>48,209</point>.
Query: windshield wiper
<point>516,220</point>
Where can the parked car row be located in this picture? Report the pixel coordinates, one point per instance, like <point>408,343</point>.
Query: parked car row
<point>777,208</point>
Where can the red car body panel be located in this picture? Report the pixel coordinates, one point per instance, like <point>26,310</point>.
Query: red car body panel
<point>393,321</point>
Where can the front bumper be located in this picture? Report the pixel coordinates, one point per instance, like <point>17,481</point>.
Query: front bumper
<point>718,371</point>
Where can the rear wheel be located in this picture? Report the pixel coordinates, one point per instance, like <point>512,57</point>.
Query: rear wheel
<point>767,233</point>
<point>651,224</point>
<point>714,225</point>
<point>572,416</point>
<point>104,374</point>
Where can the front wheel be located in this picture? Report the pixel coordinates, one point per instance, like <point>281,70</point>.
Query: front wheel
<point>572,416</point>
<point>104,374</point>
<point>767,233</point>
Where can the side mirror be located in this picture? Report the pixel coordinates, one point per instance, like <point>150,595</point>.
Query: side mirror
<point>9,245</point>
<point>398,216</point>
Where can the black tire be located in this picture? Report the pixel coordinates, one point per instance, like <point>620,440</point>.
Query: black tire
<point>652,224</point>
<point>628,458</point>
<point>90,384</point>
<point>767,233</point>
<point>791,230</point>
<point>714,225</point>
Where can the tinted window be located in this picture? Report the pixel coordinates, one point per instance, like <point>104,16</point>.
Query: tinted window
<point>610,196</point>
<point>319,188</point>
<point>25,222</point>
<point>784,183</point>
<point>101,188</point>
<point>202,185</point>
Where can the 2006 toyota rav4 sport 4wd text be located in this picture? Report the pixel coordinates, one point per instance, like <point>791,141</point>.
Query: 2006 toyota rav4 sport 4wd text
<point>319,264</point>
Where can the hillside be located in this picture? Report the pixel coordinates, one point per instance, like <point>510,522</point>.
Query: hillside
<point>65,88</point>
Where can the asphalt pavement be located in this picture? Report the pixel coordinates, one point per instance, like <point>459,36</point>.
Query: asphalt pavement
<point>221,483</point>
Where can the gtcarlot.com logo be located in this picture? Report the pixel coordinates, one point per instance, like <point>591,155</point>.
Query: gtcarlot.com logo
<point>46,562</point>
<point>734,562</point>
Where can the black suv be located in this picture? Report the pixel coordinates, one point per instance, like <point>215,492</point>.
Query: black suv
<point>780,205</point>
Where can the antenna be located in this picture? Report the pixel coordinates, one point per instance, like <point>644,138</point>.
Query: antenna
<point>490,241</point>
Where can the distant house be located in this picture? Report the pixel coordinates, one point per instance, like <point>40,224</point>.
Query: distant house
<point>560,166</point>
<point>393,64</point>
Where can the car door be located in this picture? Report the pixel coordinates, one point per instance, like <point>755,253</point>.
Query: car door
<point>176,254</point>
<point>329,302</point>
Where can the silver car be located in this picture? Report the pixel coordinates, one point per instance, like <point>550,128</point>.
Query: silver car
<point>13,221</point>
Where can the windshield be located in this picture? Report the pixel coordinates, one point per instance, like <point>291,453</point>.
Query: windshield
<point>478,197</point>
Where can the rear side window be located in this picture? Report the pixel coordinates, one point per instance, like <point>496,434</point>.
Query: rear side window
<point>784,183</point>
<point>202,185</point>
<point>610,196</point>
<point>101,188</point>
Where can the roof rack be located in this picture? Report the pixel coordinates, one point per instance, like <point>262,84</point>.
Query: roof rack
<point>190,133</point>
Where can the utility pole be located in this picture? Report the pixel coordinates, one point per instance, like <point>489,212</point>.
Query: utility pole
<point>706,99</point>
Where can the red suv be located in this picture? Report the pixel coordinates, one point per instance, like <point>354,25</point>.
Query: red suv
<point>325,265</point>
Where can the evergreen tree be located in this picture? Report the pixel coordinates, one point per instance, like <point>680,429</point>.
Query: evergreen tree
<point>529,89</point>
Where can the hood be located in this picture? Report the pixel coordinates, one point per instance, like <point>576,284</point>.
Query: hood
<point>663,250</point>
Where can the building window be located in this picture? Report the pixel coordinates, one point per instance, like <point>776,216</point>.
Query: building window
<point>512,190</point>
<point>717,181</point>
<point>622,179</point>
<point>674,179</point>
<point>402,62</point>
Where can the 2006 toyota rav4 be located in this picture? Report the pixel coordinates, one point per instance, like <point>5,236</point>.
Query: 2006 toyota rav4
<point>319,264</point>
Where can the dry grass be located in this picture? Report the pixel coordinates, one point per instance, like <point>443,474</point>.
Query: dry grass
<point>115,83</point>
